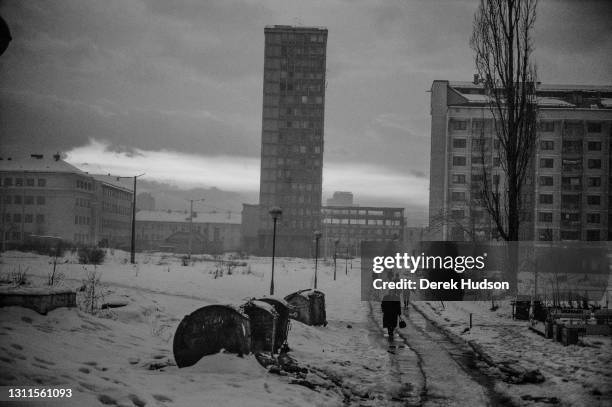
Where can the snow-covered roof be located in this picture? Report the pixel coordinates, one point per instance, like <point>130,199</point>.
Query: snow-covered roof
<point>549,87</point>
<point>183,216</point>
<point>123,183</point>
<point>38,163</point>
<point>548,102</point>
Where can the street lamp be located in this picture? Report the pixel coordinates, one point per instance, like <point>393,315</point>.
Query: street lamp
<point>133,242</point>
<point>317,236</point>
<point>275,212</point>
<point>191,201</point>
<point>346,261</point>
<point>335,255</point>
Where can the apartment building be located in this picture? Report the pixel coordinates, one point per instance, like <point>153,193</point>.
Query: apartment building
<point>567,192</point>
<point>212,232</point>
<point>45,196</point>
<point>350,225</point>
<point>292,137</point>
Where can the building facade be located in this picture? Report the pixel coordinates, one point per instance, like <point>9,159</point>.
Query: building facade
<point>567,191</point>
<point>46,196</point>
<point>113,212</point>
<point>350,225</point>
<point>169,231</point>
<point>292,137</point>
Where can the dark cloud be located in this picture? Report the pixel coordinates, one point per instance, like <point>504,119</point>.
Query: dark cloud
<point>187,75</point>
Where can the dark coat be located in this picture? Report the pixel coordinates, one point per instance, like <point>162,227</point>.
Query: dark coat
<point>391,309</point>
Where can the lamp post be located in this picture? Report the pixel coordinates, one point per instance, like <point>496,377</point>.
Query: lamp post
<point>191,201</point>
<point>317,236</point>
<point>133,240</point>
<point>346,261</point>
<point>335,255</point>
<point>275,212</point>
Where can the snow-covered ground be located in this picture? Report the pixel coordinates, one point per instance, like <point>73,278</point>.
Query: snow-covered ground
<point>575,375</point>
<point>124,356</point>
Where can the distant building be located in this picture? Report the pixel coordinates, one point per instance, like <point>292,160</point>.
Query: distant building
<point>292,137</point>
<point>46,196</point>
<point>567,193</point>
<point>350,225</point>
<point>145,202</point>
<point>113,211</point>
<point>169,230</point>
<point>341,198</point>
<point>249,228</point>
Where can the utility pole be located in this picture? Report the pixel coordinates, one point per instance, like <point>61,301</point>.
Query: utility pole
<point>275,212</point>
<point>317,236</point>
<point>191,201</point>
<point>133,239</point>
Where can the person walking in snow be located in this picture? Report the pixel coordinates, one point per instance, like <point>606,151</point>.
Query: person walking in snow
<point>391,309</point>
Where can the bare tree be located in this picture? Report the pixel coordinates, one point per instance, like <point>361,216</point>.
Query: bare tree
<point>502,42</point>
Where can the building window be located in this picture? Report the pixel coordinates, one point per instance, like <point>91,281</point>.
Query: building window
<point>546,199</point>
<point>593,218</point>
<point>28,218</point>
<point>594,146</point>
<point>477,159</point>
<point>40,218</point>
<point>546,217</point>
<point>30,182</point>
<point>594,163</point>
<point>17,199</point>
<point>458,196</point>
<point>42,182</point>
<point>547,162</point>
<point>547,127</point>
<point>458,178</point>
<point>594,182</point>
<point>18,182</point>
<point>546,181</point>
<point>458,125</point>
<point>458,161</point>
<point>594,127</point>
<point>570,235</point>
<point>547,145</point>
<point>593,235</point>
<point>28,200</point>
<point>459,143</point>
<point>17,217</point>
<point>594,200</point>
<point>545,234</point>
<point>457,213</point>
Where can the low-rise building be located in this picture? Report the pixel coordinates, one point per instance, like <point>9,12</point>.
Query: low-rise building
<point>46,196</point>
<point>350,225</point>
<point>212,232</point>
<point>113,210</point>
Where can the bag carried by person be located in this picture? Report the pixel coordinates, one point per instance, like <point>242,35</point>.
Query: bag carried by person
<point>402,323</point>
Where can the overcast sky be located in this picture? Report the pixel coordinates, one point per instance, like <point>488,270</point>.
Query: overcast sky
<point>174,88</point>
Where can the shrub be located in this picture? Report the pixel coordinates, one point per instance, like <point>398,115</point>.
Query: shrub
<point>16,277</point>
<point>91,255</point>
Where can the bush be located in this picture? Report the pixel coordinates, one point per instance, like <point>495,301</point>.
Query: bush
<point>16,277</point>
<point>91,255</point>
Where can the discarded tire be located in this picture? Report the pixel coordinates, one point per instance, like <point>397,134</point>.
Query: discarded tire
<point>208,330</point>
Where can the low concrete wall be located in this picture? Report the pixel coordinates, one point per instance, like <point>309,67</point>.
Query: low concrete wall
<point>41,300</point>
